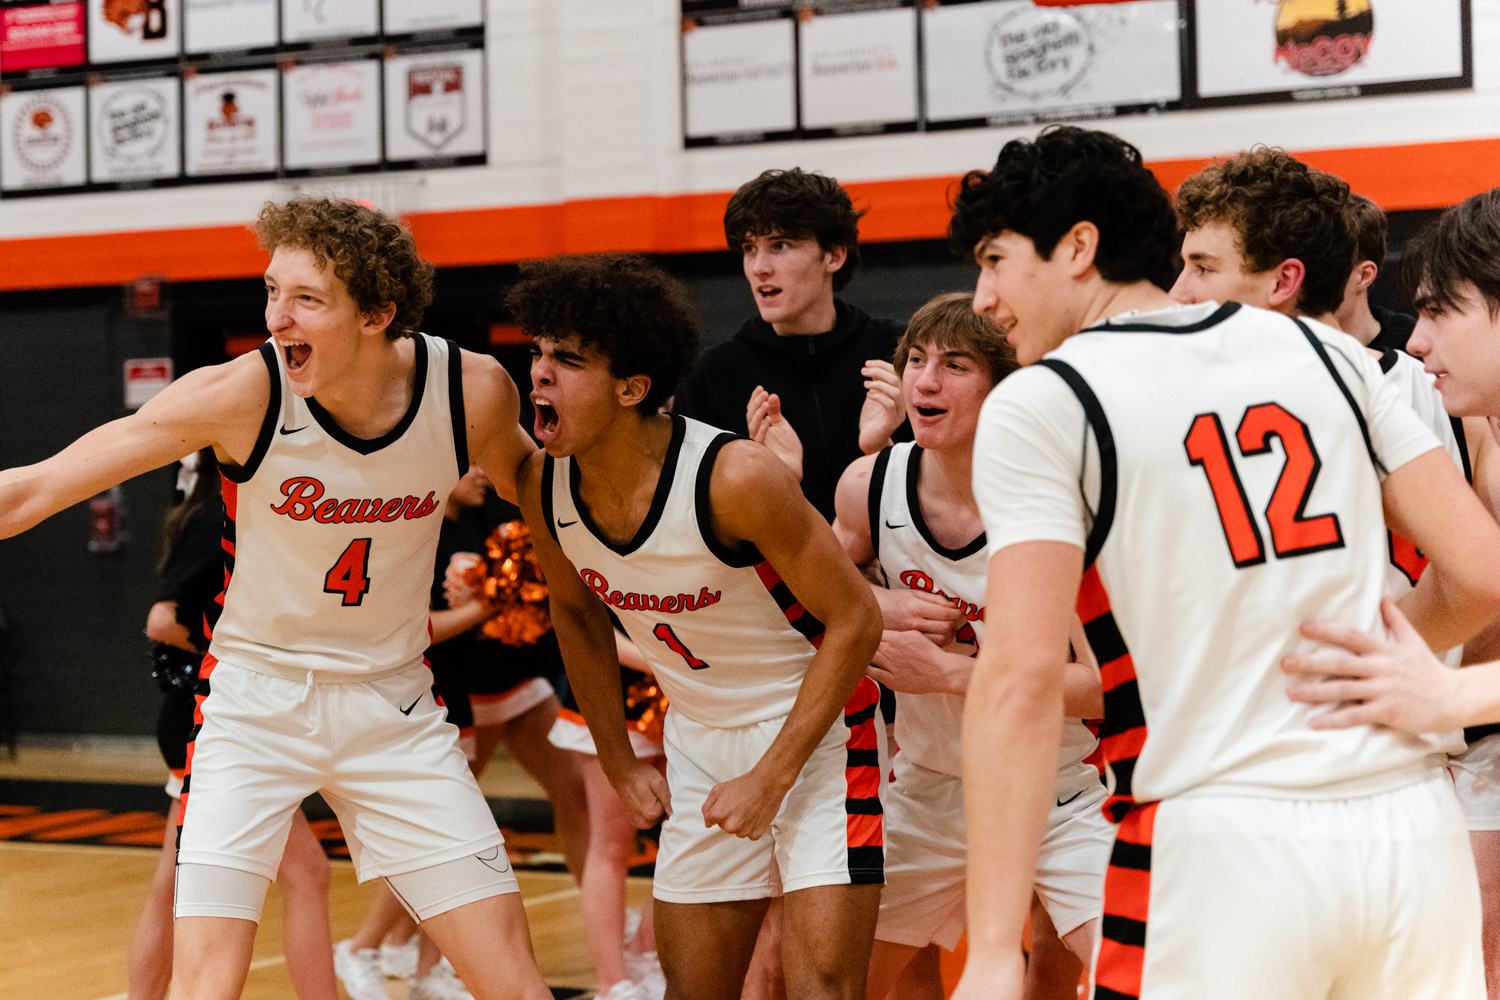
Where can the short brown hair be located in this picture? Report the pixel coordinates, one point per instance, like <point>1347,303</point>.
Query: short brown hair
<point>799,205</point>
<point>374,255</point>
<point>1367,221</point>
<point>1280,208</point>
<point>948,322</point>
<point>1461,248</point>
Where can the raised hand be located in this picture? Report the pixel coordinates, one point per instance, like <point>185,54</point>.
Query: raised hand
<point>882,411</point>
<point>769,427</point>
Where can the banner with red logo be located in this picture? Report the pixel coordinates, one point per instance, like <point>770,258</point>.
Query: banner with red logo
<point>42,36</point>
<point>231,124</point>
<point>122,30</point>
<point>434,105</point>
<point>42,139</point>
<point>331,114</point>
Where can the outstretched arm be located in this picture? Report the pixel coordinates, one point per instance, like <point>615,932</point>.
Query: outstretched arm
<point>756,502</point>
<point>223,406</point>
<point>492,404</point>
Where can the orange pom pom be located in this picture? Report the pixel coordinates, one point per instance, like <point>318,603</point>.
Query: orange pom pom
<point>515,583</point>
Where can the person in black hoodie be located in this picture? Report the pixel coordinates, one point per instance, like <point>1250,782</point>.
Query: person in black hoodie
<point>795,377</point>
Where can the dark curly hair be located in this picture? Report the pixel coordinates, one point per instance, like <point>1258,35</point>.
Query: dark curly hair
<point>628,309</point>
<point>1461,248</point>
<point>1042,188</point>
<point>1280,208</point>
<point>799,205</point>
<point>374,255</point>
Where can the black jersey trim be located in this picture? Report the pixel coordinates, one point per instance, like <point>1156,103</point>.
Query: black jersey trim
<point>369,446</point>
<point>658,500</point>
<point>1463,447</point>
<point>1218,316</point>
<point>548,465</point>
<point>242,473</point>
<point>1387,361</point>
<point>456,407</point>
<point>704,510</point>
<point>1109,472</point>
<point>914,507</point>
<point>877,489</point>
<point>1359,417</point>
<point>1473,734</point>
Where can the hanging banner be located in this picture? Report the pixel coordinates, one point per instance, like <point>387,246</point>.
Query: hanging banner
<point>331,114</point>
<point>228,25</point>
<point>133,130</point>
<point>123,30</point>
<point>231,123</point>
<point>42,142</point>
<point>859,68</point>
<point>434,105</point>
<point>738,80</point>
<point>310,20</point>
<point>409,16</point>
<point>42,36</point>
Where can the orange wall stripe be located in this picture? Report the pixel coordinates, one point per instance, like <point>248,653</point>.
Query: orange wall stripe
<point>1429,175</point>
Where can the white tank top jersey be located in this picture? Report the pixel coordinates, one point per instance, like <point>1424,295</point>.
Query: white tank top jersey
<point>728,640</point>
<point>929,727</point>
<point>1220,467</point>
<point>329,539</point>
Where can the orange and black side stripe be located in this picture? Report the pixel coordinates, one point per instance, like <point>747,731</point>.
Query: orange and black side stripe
<point>863,812</point>
<point>200,695</point>
<point>800,618</point>
<point>1127,902</point>
<point>1122,733</point>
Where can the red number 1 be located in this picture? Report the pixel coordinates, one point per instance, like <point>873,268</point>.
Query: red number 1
<point>1207,447</point>
<point>664,632</point>
<point>350,575</point>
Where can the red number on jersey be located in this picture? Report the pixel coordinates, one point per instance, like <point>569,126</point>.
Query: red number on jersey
<point>1406,557</point>
<point>1291,533</point>
<point>664,632</point>
<point>1208,448</point>
<point>350,576</point>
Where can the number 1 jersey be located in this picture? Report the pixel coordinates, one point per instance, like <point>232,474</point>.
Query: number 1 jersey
<point>1220,466</point>
<point>329,539</point>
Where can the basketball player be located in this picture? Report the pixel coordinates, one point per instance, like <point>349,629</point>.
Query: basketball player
<point>1256,857</point>
<point>1371,325</point>
<point>757,627</point>
<point>911,509</point>
<point>337,440</point>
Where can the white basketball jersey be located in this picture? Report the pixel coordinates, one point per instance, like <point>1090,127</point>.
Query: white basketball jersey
<point>329,539</point>
<point>929,727</point>
<point>1230,477</point>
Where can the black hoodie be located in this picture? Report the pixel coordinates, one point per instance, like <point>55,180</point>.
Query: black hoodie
<point>817,378</point>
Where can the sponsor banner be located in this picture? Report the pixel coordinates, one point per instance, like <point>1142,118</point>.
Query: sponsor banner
<point>122,30</point>
<point>859,68</point>
<point>738,78</point>
<point>1010,60</point>
<point>309,20</point>
<point>134,130</point>
<point>231,123</point>
<point>331,114</point>
<point>434,105</point>
<point>222,25</point>
<point>42,143</point>
<point>42,36</point>
<point>1296,45</point>
<point>404,16</point>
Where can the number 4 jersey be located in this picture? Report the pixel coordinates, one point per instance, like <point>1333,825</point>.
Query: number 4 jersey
<point>1220,466</point>
<point>329,539</point>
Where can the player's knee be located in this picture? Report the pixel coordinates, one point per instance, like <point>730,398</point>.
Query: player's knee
<point>212,891</point>
<point>427,892</point>
<point>305,872</point>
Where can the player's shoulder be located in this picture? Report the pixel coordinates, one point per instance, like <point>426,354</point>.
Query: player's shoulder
<point>240,387</point>
<point>485,379</point>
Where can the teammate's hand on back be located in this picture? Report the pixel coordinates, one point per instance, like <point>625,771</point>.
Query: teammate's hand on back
<point>882,411</point>
<point>769,427</point>
<point>936,618</point>
<point>1386,682</point>
<point>908,662</point>
<point>745,806</point>
<point>643,793</point>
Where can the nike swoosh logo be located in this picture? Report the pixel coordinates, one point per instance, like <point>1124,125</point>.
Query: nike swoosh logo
<point>893,527</point>
<point>408,708</point>
<point>294,430</point>
<point>1063,802</point>
<point>566,524</point>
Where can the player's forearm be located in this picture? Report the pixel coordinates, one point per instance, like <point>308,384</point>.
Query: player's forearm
<point>594,675</point>
<point>1083,693</point>
<point>23,503</point>
<point>1012,728</point>
<point>1450,608</point>
<point>1477,700</point>
<point>451,622</point>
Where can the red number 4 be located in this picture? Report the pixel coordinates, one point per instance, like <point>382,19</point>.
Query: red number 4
<point>1292,534</point>
<point>350,576</point>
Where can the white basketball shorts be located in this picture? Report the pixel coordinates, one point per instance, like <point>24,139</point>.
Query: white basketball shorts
<point>1476,778</point>
<point>380,751</point>
<point>827,832</point>
<point>1239,898</point>
<point>926,857</point>
<point>571,732</point>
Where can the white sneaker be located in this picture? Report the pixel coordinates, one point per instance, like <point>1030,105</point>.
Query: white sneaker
<point>645,971</point>
<point>399,961</point>
<point>359,971</point>
<point>442,983</point>
<point>623,990</point>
